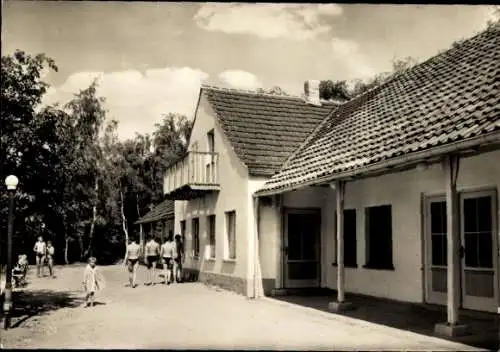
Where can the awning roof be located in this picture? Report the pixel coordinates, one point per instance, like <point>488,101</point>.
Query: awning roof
<point>163,211</point>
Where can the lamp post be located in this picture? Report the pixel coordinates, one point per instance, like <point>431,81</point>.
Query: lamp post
<point>11,183</point>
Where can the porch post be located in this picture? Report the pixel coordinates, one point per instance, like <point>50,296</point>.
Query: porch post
<point>258,289</point>
<point>452,326</point>
<point>340,304</point>
<point>278,287</point>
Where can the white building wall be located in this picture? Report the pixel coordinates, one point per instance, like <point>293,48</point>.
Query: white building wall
<point>234,195</point>
<point>271,227</point>
<point>254,184</point>
<point>403,191</point>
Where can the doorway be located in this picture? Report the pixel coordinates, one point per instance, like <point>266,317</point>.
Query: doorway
<point>301,248</point>
<point>478,247</point>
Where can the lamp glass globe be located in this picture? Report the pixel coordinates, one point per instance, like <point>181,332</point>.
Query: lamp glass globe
<point>11,182</point>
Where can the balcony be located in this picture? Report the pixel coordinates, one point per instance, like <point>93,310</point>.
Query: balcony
<point>194,176</point>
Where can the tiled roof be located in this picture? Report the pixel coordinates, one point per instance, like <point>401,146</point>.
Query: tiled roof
<point>263,129</point>
<point>162,211</point>
<point>454,96</point>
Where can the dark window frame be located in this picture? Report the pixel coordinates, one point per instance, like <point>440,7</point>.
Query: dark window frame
<point>379,249</point>
<point>196,236</point>
<point>212,235</point>
<point>230,215</point>
<point>182,225</point>
<point>211,141</point>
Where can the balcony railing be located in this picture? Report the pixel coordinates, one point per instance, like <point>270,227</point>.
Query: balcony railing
<point>191,177</point>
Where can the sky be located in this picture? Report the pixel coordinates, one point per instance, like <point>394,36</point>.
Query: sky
<point>150,58</point>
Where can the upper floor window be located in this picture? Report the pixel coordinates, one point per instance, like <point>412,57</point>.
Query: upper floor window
<point>211,235</point>
<point>211,141</point>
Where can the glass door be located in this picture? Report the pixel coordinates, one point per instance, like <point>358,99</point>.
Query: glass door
<point>480,248</point>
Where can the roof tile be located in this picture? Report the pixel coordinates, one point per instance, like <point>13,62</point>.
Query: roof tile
<point>264,129</point>
<point>452,96</point>
<point>162,211</point>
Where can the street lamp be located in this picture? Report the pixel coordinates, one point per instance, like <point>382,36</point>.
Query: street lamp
<point>11,183</point>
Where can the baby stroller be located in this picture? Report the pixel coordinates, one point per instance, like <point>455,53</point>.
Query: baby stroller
<point>20,271</point>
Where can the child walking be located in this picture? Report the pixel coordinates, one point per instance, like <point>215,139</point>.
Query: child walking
<point>92,281</point>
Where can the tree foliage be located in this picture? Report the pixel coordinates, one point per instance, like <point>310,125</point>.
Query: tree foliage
<point>80,186</point>
<point>276,90</point>
<point>342,91</point>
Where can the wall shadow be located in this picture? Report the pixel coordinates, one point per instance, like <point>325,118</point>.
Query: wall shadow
<point>418,318</point>
<point>29,304</point>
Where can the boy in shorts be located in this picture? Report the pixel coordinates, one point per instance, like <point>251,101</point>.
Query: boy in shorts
<point>152,256</point>
<point>132,260</point>
<point>167,254</point>
<point>40,250</point>
<point>50,258</point>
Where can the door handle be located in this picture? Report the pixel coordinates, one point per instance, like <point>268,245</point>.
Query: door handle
<point>461,252</point>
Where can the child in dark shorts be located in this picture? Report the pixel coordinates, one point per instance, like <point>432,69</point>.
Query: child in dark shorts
<point>152,256</point>
<point>166,252</point>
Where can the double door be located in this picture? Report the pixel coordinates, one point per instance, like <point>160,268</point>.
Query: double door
<point>478,250</point>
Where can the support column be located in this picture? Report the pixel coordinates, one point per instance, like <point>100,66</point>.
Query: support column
<point>257,276</point>
<point>253,290</point>
<point>340,304</point>
<point>278,289</point>
<point>452,327</point>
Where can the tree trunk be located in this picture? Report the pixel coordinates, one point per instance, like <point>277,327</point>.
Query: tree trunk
<point>66,245</point>
<point>141,240</point>
<point>94,216</point>
<point>124,223</point>
<point>80,244</point>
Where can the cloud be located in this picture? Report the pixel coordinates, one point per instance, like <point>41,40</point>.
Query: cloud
<point>137,100</point>
<point>240,79</point>
<point>349,55</point>
<point>296,22</point>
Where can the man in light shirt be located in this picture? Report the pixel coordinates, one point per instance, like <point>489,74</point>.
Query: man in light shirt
<point>40,250</point>
<point>152,256</point>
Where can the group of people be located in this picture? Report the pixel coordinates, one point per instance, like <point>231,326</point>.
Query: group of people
<point>44,254</point>
<point>170,254</point>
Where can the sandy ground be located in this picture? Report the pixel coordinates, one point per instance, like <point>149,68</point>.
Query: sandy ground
<point>188,315</point>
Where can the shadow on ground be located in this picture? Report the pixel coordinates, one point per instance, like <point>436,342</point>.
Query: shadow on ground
<point>418,318</point>
<point>29,304</point>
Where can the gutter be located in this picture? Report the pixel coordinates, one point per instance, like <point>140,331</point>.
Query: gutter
<point>404,160</point>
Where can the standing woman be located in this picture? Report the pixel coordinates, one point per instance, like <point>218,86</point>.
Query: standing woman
<point>40,250</point>
<point>50,258</point>
<point>132,260</point>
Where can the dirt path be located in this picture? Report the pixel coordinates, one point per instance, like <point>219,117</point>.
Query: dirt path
<point>183,316</point>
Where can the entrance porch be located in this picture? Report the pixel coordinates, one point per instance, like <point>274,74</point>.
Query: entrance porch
<point>428,234</point>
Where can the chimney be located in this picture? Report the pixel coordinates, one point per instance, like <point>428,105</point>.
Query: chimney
<point>311,91</point>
